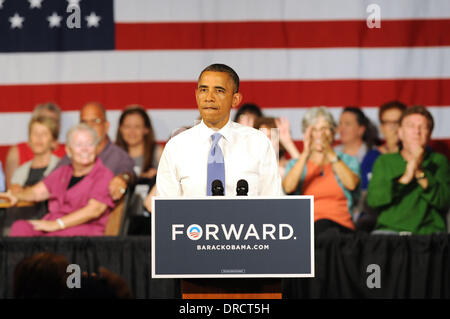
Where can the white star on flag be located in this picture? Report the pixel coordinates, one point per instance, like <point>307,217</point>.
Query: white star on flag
<point>54,20</point>
<point>93,20</point>
<point>35,3</point>
<point>16,21</point>
<point>1,3</point>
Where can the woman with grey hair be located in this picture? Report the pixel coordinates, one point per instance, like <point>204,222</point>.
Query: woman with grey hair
<point>332,177</point>
<point>78,196</point>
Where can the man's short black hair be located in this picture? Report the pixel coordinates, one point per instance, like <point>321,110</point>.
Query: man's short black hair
<point>248,108</point>
<point>217,67</point>
<point>389,106</point>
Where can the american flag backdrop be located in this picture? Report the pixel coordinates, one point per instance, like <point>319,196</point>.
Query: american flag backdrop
<point>290,55</point>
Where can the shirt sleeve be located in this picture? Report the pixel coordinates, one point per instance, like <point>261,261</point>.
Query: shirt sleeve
<point>437,192</point>
<point>384,186</point>
<point>54,179</point>
<point>100,191</point>
<point>126,164</point>
<point>351,162</point>
<point>167,184</point>
<point>18,176</point>
<point>270,179</point>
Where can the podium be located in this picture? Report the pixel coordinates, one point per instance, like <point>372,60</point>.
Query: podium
<point>232,247</point>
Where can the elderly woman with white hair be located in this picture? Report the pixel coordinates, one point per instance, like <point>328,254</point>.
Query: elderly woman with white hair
<point>78,196</point>
<point>332,177</point>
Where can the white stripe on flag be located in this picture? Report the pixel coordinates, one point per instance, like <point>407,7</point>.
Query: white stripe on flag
<point>185,65</point>
<point>269,10</point>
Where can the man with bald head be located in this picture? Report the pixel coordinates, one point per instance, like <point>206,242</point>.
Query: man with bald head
<point>112,156</point>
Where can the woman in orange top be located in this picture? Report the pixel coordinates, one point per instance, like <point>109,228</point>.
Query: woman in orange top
<point>332,177</point>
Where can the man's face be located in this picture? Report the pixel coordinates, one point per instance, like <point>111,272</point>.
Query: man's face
<point>93,116</point>
<point>390,120</point>
<point>349,128</point>
<point>215,97</point>
<point>414,131</point>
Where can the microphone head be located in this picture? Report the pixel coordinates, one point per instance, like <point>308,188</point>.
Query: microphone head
<point>242,188</point>
<point>217,188</point>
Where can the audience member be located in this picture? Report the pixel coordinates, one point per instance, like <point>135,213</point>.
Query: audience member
<point>104,285</point>
<point>411,188</point>
<point>332,177</point>
<point>277,130</point>
<point>247,114</point>
<point>113,157</point>
<point>389,116</point>
<point>43,135</point>
<point>41,276</point>
<point>135,135</point>
<point>79,200</point>
<point>22,152</point>
<point>358,137</point>
<point>284,126</point>
<point>43,138</point>
<point>44,276</point>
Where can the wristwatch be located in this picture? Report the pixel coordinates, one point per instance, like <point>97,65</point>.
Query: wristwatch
<point>337,159</point>
<point>126,177</point>
<point>421,175</point>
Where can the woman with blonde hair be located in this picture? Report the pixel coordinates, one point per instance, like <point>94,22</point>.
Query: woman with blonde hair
<point>43,139</point>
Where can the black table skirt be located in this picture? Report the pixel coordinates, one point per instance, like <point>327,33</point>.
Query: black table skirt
<point>410,267</point>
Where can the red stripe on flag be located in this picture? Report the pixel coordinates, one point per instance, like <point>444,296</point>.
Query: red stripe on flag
<point>281,34</point>
<point>180,95</point>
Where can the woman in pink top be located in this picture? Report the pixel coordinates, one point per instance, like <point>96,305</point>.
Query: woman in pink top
<point>78,194</point>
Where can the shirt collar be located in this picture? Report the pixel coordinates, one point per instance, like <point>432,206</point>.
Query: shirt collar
<point>206,132</point>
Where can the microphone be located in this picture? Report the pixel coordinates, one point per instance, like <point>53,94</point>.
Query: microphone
<point>217,188</point>
<point>242,188</point>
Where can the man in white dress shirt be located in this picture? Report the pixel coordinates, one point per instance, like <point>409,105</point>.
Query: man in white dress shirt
<point>247,153</point>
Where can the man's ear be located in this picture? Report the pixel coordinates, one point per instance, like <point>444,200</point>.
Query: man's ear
<point>107,127</point>
<point>237,99</point>
<point>400,133</point>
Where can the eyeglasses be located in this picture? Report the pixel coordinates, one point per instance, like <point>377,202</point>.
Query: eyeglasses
<point>90,122</point>
<point>412,126</point>
<point>391,123</point>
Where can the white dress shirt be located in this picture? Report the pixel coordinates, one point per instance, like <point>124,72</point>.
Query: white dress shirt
<point>248,154</point>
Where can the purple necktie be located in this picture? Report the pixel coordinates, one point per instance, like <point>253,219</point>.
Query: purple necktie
<point>216,164</point>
